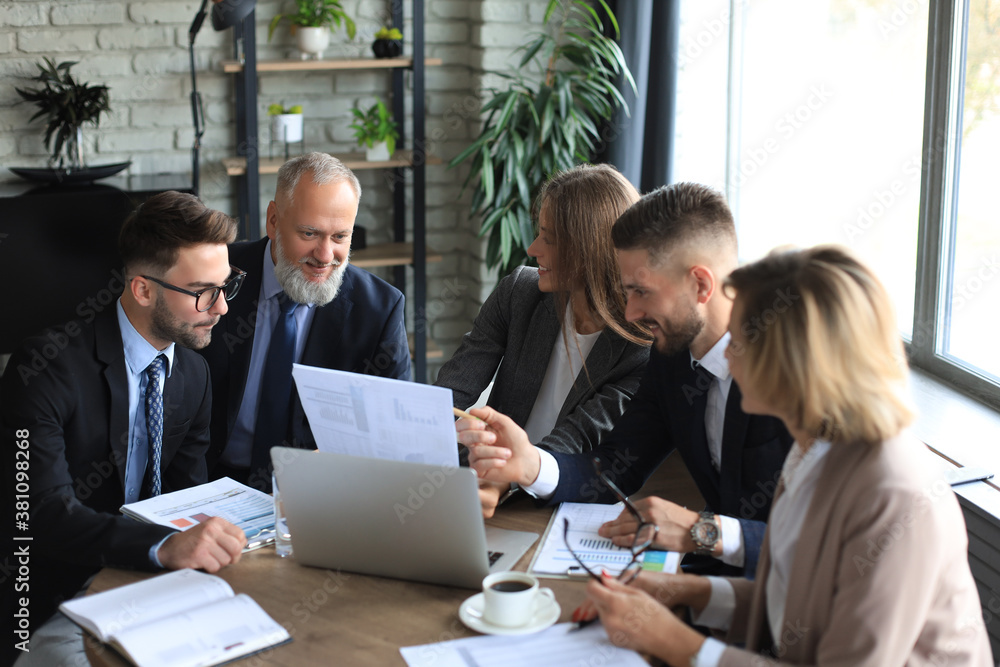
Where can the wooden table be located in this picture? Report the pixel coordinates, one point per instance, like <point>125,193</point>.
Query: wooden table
<point>356,619</point>
<point>351,619</point>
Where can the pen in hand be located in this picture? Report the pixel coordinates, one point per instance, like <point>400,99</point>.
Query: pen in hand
<point>462,414</point>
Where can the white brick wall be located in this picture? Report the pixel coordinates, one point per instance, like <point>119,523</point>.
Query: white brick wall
<point>139,49</point>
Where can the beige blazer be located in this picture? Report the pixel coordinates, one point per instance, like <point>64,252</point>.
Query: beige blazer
<point>880,574</point>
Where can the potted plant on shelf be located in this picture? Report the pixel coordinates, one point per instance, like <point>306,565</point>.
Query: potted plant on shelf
<point>546,121</point>
<point>388,43</point>
<point>286,124</point>
<point>312,23</point>
<point>66,104</point>
<point>375,129</point>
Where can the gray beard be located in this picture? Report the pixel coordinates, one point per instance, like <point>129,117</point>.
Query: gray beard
<point>303,291</point>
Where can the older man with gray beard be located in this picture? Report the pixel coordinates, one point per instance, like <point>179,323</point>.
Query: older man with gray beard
<point>302,302</point>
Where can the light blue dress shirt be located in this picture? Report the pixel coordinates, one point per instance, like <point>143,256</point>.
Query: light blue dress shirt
<point>240,445</point>
<point>139,354</point>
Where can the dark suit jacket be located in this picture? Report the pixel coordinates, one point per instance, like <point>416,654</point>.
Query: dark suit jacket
<point>66,392</point>
<point>668,413</point>
<point>513,337</point>
<point>361,331</point>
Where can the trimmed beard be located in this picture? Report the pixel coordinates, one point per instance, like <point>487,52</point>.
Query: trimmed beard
<point>166,326</point>
<point>676,338</point>
<point>297,287</point>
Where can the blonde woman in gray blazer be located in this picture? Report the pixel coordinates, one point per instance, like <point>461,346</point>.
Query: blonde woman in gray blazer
<point>864,562</point>
<point>522,335</point>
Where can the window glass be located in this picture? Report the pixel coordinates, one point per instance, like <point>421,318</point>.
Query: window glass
<point>702,71</point>
<point>972,276</point>
<point>830,132</point>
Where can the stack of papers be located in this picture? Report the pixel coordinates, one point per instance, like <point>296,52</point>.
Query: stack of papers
<point>553,559</point>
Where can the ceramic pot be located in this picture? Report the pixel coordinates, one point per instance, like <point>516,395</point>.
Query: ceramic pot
<point>286,127</point>
<point>387,48</point>
<point>378,153</point>
<point>312,42</point>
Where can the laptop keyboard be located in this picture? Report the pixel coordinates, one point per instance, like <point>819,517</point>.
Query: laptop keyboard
<point>494,556</point>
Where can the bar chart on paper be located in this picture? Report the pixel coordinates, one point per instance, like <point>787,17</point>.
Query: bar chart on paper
<point>554,559</point>
<point>364,415</point>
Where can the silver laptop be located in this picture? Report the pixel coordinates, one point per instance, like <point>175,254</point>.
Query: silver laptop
<point>391,518</point>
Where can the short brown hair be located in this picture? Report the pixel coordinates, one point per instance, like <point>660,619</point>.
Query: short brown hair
<point>820,341</point>
<point>676,215</point>
<point>156,231</point>
<point>581,205</point>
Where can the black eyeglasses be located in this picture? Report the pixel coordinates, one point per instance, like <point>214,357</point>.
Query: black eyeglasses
<point>645,533</point>
<point>210,294</point>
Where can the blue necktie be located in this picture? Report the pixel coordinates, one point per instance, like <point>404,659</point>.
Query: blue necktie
<point>275,396</point>
<point>154,425</point>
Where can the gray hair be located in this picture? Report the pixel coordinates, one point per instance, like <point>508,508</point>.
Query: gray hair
<point>324,168</point>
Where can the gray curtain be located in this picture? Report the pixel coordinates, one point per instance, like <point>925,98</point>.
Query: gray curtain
<point>640,145</point>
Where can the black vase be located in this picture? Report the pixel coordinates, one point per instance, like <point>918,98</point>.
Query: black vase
<point>387,48</point>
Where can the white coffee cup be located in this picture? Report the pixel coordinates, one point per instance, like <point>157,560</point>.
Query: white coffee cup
<point>510,599</point>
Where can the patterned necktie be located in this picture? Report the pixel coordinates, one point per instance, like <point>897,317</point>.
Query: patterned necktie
<point>154,424</point>
<point>275,395</point>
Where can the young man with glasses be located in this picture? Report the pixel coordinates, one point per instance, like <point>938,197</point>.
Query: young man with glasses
<point>302,302</point>
<point>675,246</point>
<point>108,410</point>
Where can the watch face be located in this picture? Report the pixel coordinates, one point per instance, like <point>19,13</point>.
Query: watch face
<point>706,533</point>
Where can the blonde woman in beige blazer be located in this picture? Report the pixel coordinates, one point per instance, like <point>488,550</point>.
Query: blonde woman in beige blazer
<point>865,558</point>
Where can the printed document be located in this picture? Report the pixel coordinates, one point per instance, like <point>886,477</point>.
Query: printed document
<point>381,418</point>
<point>554,647</point>
<point>554,559</point>
<point>240,505</point>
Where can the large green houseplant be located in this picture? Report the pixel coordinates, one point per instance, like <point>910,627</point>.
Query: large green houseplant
<point>545,121</point>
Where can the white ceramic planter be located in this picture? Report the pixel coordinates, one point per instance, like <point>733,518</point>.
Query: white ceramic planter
<point>286,127</point>
<point>377,153</point>
<point>312,41</point>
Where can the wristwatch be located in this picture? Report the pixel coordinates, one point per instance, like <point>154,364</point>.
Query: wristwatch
<point>706,533</point>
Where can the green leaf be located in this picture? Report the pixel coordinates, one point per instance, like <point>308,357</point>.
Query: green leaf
<point>550,9</point>
<point>505,238</point>
<point>532,50</point>
<point>486,173</point>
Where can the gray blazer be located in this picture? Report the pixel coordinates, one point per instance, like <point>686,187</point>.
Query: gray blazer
<point>513,337</point>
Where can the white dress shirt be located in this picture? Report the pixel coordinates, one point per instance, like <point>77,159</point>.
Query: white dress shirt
<point>714,362</point>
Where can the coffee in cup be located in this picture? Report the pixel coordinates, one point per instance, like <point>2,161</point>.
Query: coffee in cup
<point>510,599</point>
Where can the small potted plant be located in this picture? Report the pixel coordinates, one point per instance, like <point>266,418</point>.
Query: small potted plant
<point>375,129</point>
<point>66,104</point>
<point>312,23</point>
<point>286,124</point>
<point>388,43</point>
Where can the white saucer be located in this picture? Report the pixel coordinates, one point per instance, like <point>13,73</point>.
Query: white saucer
<point>546,614</point>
